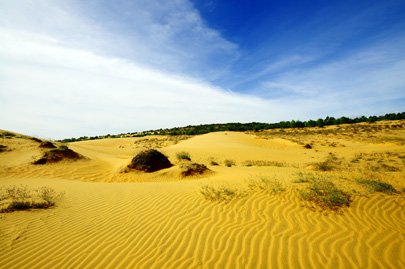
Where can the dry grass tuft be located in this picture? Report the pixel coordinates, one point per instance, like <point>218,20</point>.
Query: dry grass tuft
<point>219,194</point>
<point>14,198</point>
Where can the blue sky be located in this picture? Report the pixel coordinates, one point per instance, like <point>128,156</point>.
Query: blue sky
<point>72,68</point>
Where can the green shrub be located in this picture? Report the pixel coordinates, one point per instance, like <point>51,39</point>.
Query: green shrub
<point>183,156</point>
<point>377,186</point>
<point>326,195</point>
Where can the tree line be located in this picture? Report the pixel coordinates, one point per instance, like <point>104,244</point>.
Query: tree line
<point>252,126</point>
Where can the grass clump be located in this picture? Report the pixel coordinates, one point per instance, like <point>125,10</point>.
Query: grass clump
<point>191,169</point>
<point>183,156</point>
<point>218,194</point>
<point>149,160</point>
<point>326,195</point>
<point>265,184</point>
<point>377,186</point>
<point>15,198</point>
<point>229,163</point>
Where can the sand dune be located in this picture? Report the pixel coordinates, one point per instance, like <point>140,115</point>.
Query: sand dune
<point>109,219</point>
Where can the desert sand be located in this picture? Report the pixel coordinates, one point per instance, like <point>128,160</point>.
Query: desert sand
<point>111,219</point>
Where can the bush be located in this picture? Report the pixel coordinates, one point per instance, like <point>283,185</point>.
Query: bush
<point>326,195</point>
<point>193,169</point>
<point>3,148</point>
<point>150,161</point>
<point>378,186</point>
<point>57,155</point>
<point>183,156</point>
<point>47,145</point>
<point>229,163</point>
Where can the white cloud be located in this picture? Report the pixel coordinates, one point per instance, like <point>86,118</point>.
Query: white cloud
<point>50,90</point>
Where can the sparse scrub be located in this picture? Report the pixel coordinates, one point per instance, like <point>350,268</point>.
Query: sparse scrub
<point>377,186</point>
<point>150,161</point>
<point>328,164</point>
<point>304,178</point>
<point>229,163</point>
<point>263,163</point>
<point>15,198</point>
<point>218,194</point>
<point>265,184</point>
<point>183,156</point>
<point>326,195</point>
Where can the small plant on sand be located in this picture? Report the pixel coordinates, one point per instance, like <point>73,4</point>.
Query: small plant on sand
<point>377,186</point>
<point>229,163</point>
<point>326,195</point>
<point>218,194</point>
<point>15,198</point>
<point>304,178</point>
<point>183,156</point>
<point>265,184</point>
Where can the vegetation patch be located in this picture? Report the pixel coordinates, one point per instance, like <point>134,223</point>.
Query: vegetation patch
<point>326,195</point>
<point>377,186</point>
<point>47,145</point>
<point>183,156</point>
<point>14,198</point>
<point>150,161</point>
<point>3,148</point>
<point>265,184</point>
<point>57,155</point>
<point>263,163</point>
<point>219,194</point>
<point>328,164</point>
<point>191,169</point>
<point>308,146</point>
<point>229,163</point>
<point>35,139</point>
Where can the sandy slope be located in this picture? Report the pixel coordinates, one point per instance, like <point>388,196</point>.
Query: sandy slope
<point>161,220</point>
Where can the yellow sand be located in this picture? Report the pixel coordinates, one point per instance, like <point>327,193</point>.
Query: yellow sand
<point>109,219</point>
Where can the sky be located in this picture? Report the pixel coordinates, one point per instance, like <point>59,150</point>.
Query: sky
<point>72,68</point>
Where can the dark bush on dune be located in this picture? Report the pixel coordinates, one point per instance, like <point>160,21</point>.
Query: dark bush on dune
<point>193,169</point>
<point>47,145</point>
<point>150,161</point>
<point>3,148</point>
<point>35,139</point>
<point>57,155</point>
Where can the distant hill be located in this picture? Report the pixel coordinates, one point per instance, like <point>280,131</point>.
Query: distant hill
<point>253,126</point>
